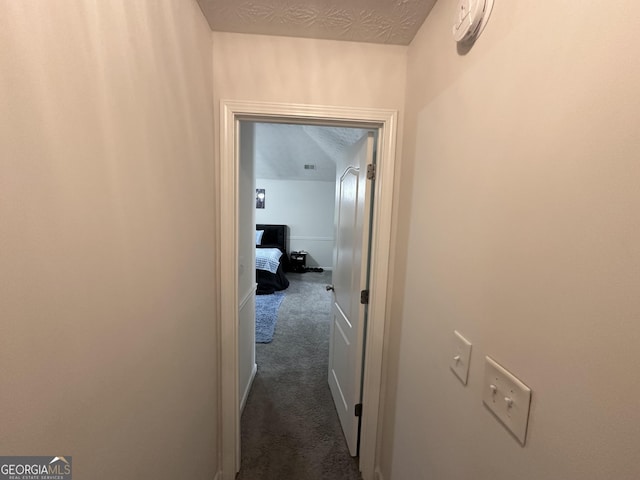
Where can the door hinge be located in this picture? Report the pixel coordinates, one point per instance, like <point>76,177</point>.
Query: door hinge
<point>371,171</point>
<point>358,410</point>
<point>364,297</point>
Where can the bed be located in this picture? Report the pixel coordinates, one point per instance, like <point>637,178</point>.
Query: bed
<point>272,258</point>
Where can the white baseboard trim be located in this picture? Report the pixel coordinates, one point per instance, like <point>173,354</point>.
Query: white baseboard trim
<point>247,389</point>
<point>315,239</point>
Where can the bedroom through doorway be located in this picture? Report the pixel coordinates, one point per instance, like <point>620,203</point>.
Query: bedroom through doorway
<point>287,198</point>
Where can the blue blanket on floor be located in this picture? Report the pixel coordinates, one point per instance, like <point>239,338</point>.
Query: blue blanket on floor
<point>267,315</point>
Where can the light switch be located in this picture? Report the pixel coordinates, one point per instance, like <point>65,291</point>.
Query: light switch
<point>461,357</point>
<point>507,397</point>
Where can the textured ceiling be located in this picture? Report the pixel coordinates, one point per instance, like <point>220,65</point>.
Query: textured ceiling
<point>282,151</point>
<point>375,21</point>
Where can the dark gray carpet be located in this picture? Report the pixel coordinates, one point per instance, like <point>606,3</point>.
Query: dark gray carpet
<point>290,428</point>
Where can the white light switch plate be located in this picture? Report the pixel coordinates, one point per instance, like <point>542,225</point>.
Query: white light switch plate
<point>461,357</point>
<point>507,397</point>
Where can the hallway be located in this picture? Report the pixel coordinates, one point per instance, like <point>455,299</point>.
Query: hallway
<point>290,427</point>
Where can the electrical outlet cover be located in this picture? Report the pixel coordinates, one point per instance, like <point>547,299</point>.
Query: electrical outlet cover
<point>461,357</point>
<point>507,397</point>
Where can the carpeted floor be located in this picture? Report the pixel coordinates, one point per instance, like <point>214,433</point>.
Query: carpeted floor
<point>290,428</point>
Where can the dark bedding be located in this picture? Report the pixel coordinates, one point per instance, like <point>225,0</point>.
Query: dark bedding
<point>274,236</point>
<point>269,283</point>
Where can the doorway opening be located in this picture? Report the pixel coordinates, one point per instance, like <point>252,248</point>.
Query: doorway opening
<point>384,122</point>
<point>301,347</point>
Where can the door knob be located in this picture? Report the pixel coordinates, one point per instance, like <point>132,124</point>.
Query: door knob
<point>329,288</point>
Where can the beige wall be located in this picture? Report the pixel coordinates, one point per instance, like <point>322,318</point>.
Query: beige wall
<point>107,237</point>
<point>519,211</point>
<point>318,72</point>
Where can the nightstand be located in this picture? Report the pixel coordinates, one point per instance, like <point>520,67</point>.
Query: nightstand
<point>298,261</point>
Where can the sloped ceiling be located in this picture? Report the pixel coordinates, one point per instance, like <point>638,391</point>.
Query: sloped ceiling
<point>373,21</point>
<point>282,151</point>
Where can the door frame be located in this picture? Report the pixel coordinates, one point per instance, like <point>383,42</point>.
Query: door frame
<point>386,122</point>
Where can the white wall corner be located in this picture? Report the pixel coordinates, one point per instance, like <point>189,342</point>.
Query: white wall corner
<point>247,389</point>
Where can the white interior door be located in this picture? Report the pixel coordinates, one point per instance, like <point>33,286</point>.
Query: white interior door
<point>350,270</point>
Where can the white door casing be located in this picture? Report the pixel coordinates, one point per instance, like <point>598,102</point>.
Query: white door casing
<point>231,112</point>
<point>350,269</point>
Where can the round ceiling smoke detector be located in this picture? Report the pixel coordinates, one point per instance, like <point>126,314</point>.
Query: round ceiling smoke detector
<point>471,18</point>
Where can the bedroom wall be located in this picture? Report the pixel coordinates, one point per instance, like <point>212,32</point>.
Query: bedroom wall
<point>246,263</point>
<point>107,290</point>
<point>518,225</point>
<point>307,207</point>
